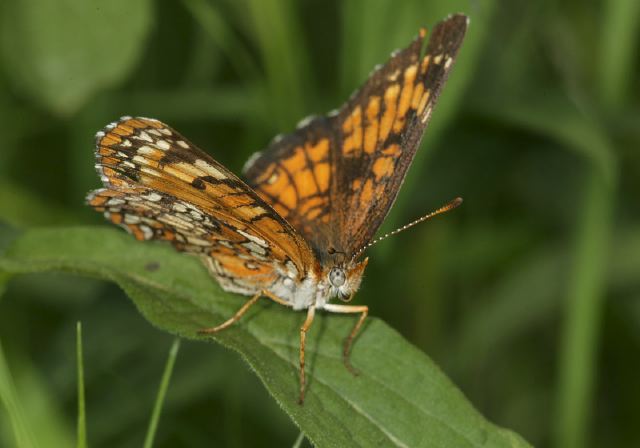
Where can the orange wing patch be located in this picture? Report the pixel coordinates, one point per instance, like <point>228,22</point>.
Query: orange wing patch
<point>297,185</point>
<point>352,129</point>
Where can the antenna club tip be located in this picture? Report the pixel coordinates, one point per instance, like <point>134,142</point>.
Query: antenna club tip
<point>457,201</point>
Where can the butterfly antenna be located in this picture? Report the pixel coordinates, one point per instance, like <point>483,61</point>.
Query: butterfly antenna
<point>445,208</point>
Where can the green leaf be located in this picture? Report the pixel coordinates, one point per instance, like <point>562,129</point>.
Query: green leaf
<point>400,399</point>
<point>63,52</point>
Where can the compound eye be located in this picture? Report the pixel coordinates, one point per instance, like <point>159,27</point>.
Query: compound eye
<point>337,277</point>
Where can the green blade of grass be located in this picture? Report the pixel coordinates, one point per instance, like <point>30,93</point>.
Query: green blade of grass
<point>557,117</point>
<point>281,44</point>
<point>218,30</point>
<point>22,433</point>
<point>619,43</point>
<point>583,314</point>
<point>162,392</point>
<point>82,416</point>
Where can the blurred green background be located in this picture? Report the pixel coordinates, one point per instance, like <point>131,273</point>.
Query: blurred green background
<point>528,296</point>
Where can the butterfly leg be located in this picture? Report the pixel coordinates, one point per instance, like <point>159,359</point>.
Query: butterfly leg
<point>236,317</point>
<point>311,312</point>
<point>349,309</point>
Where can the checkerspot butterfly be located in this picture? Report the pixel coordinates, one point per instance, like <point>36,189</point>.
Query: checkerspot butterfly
<point>295,229</point>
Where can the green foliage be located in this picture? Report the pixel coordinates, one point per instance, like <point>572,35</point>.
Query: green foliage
<point>526,296</point>
<point>398,391</point>
<point>84,46</point>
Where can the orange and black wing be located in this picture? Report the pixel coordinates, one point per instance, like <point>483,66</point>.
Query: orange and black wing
<point>295,176</point>
<point>336,177</point>
<point>160,186</point>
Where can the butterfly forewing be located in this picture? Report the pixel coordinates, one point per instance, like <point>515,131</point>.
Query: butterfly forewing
<point>336,177</point>
<point>160,186</point>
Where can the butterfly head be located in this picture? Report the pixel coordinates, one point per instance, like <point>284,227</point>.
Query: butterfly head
<point>345,279</point>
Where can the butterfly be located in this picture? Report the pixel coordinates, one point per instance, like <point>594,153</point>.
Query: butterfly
<point>295,229</point>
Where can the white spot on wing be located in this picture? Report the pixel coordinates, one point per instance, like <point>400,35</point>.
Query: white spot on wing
<point>115,201</point>
<point>146,150</point>
<point>291,267</point>
<point>255,248</point>
<point>209,169</point>
<point>305,121</point>
<point>197,241</point>
<point>163,144</point>
<point>146,231</point>
<point>175,222</point>
<point>448,63</point>
<point>131,219</point>
<point>143,136</point>
<point>274,177</point>
<point>426,115</point>
<point>250,161</point>
<point>153,197</point>
<point>255,239</point>
<point>179,207</point>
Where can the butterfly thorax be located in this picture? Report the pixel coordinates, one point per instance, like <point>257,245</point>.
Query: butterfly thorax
<point>317,289</point>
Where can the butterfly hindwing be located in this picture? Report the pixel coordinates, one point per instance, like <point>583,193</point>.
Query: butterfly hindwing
<point>294,175</point>
<point>336,177</point>
<point>151,215</point>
